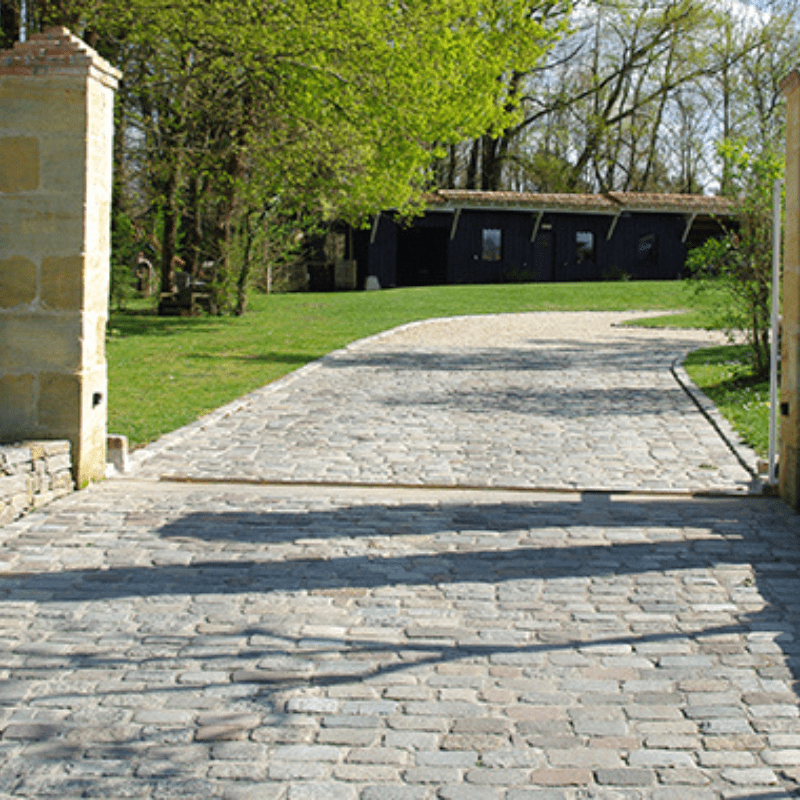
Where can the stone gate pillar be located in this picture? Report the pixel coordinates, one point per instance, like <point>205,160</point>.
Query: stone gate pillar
<point>789,474</point>
<point>56,144</point>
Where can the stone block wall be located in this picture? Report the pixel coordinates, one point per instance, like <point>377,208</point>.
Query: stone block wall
<point>56,138</point>
<point>789,474</point>
<point>33,474</point>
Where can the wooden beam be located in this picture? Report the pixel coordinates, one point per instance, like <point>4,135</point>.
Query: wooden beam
<point>374,233</point>
<point>454,226</point>
<point>613,225</point>
<point>689,222</point>
<point>535,231</point>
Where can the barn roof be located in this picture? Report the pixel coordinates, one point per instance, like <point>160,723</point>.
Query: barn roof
<point>611,203</point>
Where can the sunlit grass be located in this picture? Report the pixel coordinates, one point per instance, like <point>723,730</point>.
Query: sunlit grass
<point>725,376</point>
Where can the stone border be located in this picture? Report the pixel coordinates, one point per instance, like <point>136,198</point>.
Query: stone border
<point>33,474</point>
<point>745,455</point>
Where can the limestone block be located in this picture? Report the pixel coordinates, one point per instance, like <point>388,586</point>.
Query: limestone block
<point>94,341</point>
<point>790,475</point>
<point>7,513</point>
<point>11,485</point>
<point>98,221</point>
<point>58,463</point>
<point>16,408</point>
<point>36,482</point>
<point>42,223</point>
<point>790,363</point>
<point>52,449</point>
<point>51,342</point>
<point>117,452</point>
<point>62,283</point>
<point>90,449</point>
<point>17,281</point>
<point>100,107</point>
<point>14,459</point>
<point>19,163</point>
<point>62,160</point>
<point>32,104</point>
<point>59,404</point>
<point>96,282</point>
<point>61,483</point>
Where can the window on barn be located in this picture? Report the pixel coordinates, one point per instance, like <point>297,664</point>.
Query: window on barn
<point>492,244</point>
<point>584,246</point>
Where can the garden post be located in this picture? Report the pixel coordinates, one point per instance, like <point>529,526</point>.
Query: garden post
<point>56,136</point>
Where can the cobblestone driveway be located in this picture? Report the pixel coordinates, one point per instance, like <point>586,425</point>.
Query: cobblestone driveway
<point>313,642</point>
<point>521,400</point>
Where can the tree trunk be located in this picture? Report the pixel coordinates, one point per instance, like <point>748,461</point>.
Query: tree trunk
<point>488,152</point>
<point>170,232</point>
<point>244,272</point>
<point>472,164</point>
<point>452,166</point>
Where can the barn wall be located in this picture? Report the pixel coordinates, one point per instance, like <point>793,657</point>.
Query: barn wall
<point>644,246</point>
<point>647,247</point>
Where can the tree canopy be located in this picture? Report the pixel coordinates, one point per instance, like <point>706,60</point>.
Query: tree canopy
<point>321,109</point>
<point>244,123</point>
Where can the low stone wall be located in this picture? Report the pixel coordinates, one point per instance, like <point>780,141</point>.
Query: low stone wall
<point>33,474</point>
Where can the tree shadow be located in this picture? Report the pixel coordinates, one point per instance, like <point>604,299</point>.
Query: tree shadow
<point>449,543</point>
<point>267,358</point>
<point>542,355</point>
<point>125,324</point>
<point>569,403</point>
<point>515,549</point>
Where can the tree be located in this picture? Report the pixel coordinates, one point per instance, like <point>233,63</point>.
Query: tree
<point>324,110</point>
<point>634,96</point>
<point>740,262</point>
<point>599,104</point>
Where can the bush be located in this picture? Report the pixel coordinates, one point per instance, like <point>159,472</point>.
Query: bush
<point>740,261</point>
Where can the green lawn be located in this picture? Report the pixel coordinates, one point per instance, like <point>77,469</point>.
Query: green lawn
<point>724,374</point>
<point>166,372</point>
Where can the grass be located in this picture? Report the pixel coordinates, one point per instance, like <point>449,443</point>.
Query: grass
<point>724,374</point>
<point>166,372</point>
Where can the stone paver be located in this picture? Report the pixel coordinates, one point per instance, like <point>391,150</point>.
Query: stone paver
<point>170,640</point>
<point>553,400</point>
<point>297,642</point>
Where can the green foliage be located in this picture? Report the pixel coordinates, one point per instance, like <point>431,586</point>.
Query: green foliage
<point>616,273</point>
<point>124,246</point>
<point>325,110</point>
<point>740,262</point>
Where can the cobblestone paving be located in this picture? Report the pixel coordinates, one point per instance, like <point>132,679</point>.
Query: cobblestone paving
<point>533,400</point>
<point>326,642</point>
<point>165,640</point>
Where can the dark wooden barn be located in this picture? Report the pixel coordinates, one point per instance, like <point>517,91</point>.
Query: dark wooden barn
<point>494,237</point>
